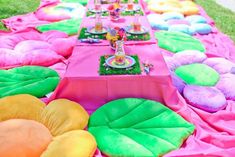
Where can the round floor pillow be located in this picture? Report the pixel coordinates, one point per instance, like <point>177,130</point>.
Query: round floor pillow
<point>178,83</point>
<point>189,57</point>
<point>60,11</point>
<point>208,99</point>
<point>23,138</point>
<point>196,19</point>
<point>198,74</point>
<point>171,63</point>
<point>221,65</point>
<point>172,15</point>
<point>226,85</point>
<point>202,28</point>
<point>182,28</point>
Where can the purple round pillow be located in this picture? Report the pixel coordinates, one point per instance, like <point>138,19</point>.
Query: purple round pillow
<point>209,99</point>
<point>178,83</point>
<point>226,85</point>
<point>189,57</point>
<point>221,65</point>
<point>171,63</point>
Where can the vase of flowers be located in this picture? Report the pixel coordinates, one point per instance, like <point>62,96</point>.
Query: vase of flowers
<point>115,34</point>
<point>114,11</point>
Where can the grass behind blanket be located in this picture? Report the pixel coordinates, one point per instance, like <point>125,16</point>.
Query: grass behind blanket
<point>224,18</point>
<point>10,8</point>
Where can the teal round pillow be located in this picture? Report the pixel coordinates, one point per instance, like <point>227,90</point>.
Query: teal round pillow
<point>198,74</point>
<point>34,80</point>
<point>137,127</point>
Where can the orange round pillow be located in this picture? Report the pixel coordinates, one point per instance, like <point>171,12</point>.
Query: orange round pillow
<point>23,138</point>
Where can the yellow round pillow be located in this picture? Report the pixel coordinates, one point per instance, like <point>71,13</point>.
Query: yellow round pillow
<point>77,143</point>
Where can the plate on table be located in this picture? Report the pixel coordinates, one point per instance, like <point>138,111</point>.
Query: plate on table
<point>135,8</point>
<point>130,30</point>
<point>91,30</point>
<point>129,62</point>
<point>97,11</point>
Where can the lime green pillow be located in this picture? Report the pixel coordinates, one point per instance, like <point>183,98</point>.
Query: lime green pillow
<point>138,127</point>
<point>70,26</point>
<point>177,41</point>
<point>198,74</point>
<point>35,80</point>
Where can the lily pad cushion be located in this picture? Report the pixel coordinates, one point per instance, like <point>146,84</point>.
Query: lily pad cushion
<point>83,2</point>
<point>209,99</point>
<point>69,27</point>
<point>137,127</point>
<point>34,80</point>
<point>189,57</point>
<point>221,65</point>
<point>198,74</point>
<point>226,85</point>
<point>177,41</point>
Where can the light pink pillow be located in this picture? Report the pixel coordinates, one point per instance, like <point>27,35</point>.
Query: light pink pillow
<point>221,65</point>
<point>8,58</point>
<point>30,45</point>
<point>189,57</point>
<point>42,57</point>
<point>63,47</point>
<point>226,85</point>
<point>53,35</point>
<point>171,63</point>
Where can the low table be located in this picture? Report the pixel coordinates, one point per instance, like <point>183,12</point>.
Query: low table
<point>82,82</point>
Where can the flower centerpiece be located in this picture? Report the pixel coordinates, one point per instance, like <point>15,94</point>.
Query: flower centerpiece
<point>115,34</point>
<point>115,11</point>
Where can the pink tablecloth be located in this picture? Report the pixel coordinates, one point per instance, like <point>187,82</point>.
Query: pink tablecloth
<point>83,83</point>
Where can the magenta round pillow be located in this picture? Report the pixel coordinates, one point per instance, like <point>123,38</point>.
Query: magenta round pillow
<point>189,57</point>
<point>226,85</point>
<point>221,65</point>
<point>209,99</point>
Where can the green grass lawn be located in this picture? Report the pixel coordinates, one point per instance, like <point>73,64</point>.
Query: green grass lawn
<point>224,18</point>
<point>10,8</point>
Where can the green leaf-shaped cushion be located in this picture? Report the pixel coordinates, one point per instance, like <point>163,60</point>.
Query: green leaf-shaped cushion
<point>83,2</point>
<point>137,127</point>
<point>34,80</point>
<point>198,74</point>
<point>177,41</point>
<point>70,26</point>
